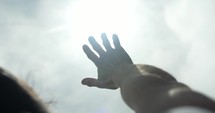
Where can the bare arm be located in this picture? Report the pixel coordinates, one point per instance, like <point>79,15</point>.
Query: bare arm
<point>116,69</point>
<point>144,88</point>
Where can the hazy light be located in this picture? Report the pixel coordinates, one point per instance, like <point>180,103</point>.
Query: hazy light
<point>93,17</point>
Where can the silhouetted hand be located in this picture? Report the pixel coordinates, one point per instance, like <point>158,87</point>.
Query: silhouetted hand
<point>107,62</point>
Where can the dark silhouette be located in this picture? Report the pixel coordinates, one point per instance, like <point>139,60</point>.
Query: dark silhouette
<point>17,97</point>
<point>144,88</point>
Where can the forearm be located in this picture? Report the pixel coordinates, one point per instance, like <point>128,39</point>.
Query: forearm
<point>152,94</point>
<point>127,93</point>
<point>143,91</point>
<point>135,70</point>
<point>142,94</point>
<point>137,87</point>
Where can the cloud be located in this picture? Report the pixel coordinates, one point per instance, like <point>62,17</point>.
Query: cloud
<point>193,22</point>
<point>174,35</point>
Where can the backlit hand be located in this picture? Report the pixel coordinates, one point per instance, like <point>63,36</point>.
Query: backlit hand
<point>107,62</point>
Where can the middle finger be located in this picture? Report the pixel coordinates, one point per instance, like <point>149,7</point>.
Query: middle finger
<point>96,46</point>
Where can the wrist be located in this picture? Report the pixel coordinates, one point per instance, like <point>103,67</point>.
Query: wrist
<point>123,72</point>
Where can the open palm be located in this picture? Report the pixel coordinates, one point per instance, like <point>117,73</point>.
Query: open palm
<point>107,62</point>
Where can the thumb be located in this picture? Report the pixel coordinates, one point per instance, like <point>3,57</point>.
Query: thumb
<point>90,82</point>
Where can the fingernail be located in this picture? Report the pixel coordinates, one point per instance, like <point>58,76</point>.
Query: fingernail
<point>84,82</point>
<point>91,38</point>
<point>84,46</point>
<point>103,34</point>
<point>114,35</point>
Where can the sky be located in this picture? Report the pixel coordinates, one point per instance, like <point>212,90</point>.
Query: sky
<point>41,42</point>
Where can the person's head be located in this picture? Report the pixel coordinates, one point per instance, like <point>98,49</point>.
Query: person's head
<point>16,96</point>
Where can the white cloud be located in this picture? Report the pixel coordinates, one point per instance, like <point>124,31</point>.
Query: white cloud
<point>193,22</point>
<point>174,35</point>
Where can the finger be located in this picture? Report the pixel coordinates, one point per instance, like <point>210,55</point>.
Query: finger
<point>96,46</point>
<point>116,41</point>
<point>106,42</point>
<point>91,55</point>
<point>90,82</point>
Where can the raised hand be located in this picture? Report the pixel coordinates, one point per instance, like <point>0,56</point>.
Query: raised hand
<point>107,62</point>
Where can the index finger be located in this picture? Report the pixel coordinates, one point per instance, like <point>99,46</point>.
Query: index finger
<point>91,55</point>
<point>96,46</point>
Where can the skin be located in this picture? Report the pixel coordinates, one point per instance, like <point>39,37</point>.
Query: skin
<point>144,88</point>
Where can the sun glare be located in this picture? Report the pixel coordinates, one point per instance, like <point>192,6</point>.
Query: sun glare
<point>93,17</point>
<point>84,18</point>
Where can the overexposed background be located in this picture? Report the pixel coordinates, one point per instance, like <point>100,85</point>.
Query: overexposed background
<point>41,42</point>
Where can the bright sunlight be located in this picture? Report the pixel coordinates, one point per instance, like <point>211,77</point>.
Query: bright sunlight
<point>93,17</point>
